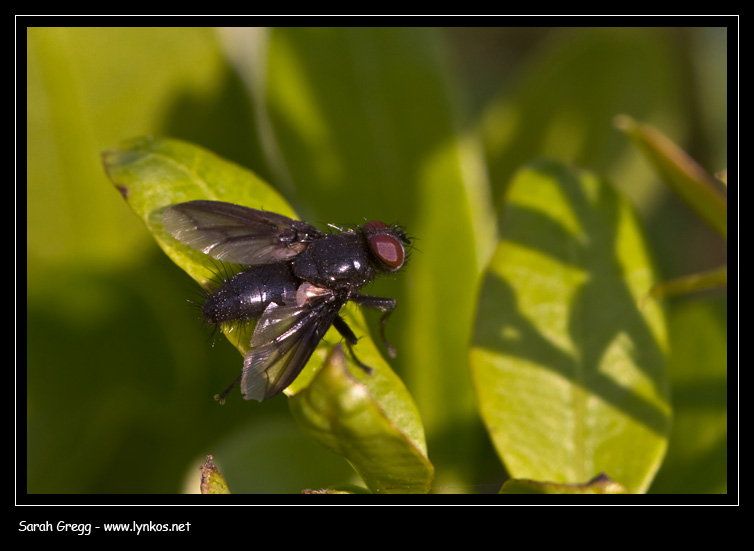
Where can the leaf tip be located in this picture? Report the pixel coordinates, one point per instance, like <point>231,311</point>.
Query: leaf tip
<point>212,482</point>
<point>624,122</point>
<point>123,190</point>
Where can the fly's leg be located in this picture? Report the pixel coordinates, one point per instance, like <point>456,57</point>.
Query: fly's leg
<point>386,305</point>
<point>221,397</point>
<point>346,332</point>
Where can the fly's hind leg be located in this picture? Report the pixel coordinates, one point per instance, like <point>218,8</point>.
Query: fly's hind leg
<point>221,397</point>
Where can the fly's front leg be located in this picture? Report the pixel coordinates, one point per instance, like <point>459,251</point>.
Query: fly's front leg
<point>387,305</point>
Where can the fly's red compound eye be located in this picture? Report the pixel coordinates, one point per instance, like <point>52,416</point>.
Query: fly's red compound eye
<point>386,247</point>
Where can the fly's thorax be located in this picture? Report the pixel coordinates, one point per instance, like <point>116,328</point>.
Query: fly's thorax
<point>336,261</point>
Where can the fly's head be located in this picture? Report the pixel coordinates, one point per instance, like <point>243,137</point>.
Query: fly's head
<point>387,245</point>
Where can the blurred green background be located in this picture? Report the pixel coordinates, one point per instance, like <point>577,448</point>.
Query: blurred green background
<point>419,126</point>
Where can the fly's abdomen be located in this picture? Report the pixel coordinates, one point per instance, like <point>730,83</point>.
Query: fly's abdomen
<point>246,295</point>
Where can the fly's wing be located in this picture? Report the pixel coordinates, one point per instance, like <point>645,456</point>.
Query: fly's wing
<point>235,234</point>
<point>283,341</point>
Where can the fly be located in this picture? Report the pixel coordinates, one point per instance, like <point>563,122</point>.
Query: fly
<point>294,281</point>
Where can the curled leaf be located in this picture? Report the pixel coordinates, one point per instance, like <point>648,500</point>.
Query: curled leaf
<point>680,172</point>
<point>344,415</point>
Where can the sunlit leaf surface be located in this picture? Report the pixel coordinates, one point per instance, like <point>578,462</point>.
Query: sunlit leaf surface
<point>569,372</point>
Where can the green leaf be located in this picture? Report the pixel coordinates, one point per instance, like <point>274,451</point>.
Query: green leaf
<point>569,372</point>
<point>368,421</point>
<point>697,187</point>
<point>601,484</point>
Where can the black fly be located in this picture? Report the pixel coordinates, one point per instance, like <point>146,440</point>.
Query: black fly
<point>295,280</point>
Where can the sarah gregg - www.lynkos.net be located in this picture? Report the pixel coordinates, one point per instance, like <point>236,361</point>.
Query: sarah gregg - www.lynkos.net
<point>85,529</point>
